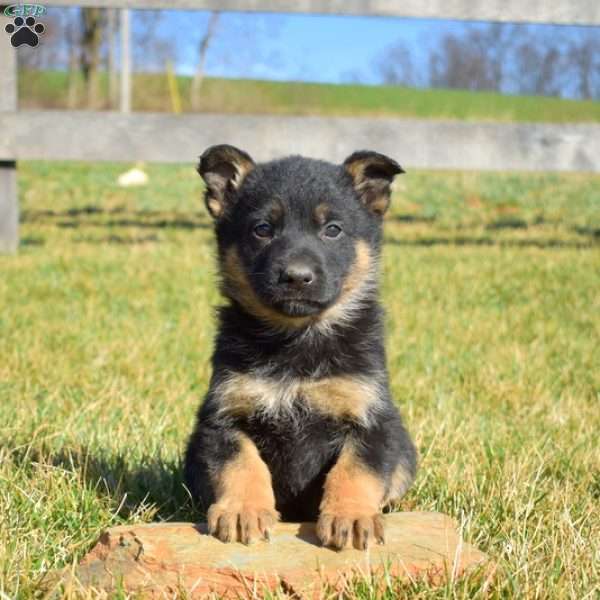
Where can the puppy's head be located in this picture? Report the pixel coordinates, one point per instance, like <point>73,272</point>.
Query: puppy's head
<point>298,238</point>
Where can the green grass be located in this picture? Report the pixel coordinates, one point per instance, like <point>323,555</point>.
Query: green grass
<point>248,96</point>
<point>493,320</point>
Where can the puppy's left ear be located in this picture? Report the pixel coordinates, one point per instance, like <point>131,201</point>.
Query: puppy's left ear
<point>372,174</point>
<point>223,169</point>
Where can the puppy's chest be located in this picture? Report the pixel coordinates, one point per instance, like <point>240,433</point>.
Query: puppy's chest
<point>298,447</point>
<point>289,399</point>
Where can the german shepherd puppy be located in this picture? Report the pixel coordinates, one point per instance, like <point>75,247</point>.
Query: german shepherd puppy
<point>298,422</point>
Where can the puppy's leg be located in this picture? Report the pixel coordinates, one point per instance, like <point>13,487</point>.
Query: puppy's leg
<point>244,506</point>
<point>376,465</point>
<point>401,479</point>
<point>351,504</point>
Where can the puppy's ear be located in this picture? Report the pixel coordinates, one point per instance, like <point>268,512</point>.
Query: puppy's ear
<point>372,174</point>
<point>223,169</point>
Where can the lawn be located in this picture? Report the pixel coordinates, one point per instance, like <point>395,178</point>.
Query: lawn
<point>151,93</point>
<point>491,284</point>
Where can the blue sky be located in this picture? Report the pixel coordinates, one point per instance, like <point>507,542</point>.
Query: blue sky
<point>298,47</point>
<point>335,49</point>
<point>326,48</point>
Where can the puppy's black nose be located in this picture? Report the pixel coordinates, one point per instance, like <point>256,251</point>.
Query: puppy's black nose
<point>297,274</point>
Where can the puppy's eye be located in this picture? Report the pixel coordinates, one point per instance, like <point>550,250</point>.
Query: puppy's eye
<point>263,230</point>
<point>332,230</point>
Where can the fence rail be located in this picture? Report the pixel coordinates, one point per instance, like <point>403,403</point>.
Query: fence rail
<point>431,144</point>
<point>566,12</point>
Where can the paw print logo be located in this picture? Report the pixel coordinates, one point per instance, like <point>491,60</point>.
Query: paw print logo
<point>24,31</point>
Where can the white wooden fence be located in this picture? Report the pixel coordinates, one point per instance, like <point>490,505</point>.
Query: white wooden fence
<point>86,135</point>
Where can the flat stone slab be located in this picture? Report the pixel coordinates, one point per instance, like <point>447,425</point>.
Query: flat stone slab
<point>161,559</point>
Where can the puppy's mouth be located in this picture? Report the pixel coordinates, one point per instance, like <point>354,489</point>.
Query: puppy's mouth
<point>299,307</point>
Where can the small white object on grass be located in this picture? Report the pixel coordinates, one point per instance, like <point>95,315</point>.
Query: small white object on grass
<point>133,177</point>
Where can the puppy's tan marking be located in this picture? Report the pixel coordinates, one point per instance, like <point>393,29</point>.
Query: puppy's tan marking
<point>350,508</point>
<point>321,213</point>
<point>223,169</point>
<point>380,202</point>
<point>244,505</point>
<point>372,174</point>
<point>215,207</point>
<point>276,211</point>
<point>360,271</point>
<point>343,397</point>
<point>243,394</point>
<point>376,197</point>
<point>361,278</point>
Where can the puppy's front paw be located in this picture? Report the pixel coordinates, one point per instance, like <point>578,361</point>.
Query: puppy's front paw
<point>338,531</point>
<point>231,522</point>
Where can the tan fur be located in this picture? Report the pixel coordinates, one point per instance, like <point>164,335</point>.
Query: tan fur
<point>356,169</point>
<point>379,200</point>
<point>320,214</point>
<point>245,478</point>
<point>361,278</point>
<point>243,167</point>
<point>351,486</point>
<point>215,206</point>
<point>217,186</point>
<point>244,500</point>
<point>342,397</point>
<point>276,212</point>
<point>375,195</point>
<point>351,504</point>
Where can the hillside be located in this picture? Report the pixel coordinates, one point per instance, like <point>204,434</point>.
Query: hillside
<point>151,93</point>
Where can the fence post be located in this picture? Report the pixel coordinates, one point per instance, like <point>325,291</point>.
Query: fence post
<point>125,61</point>
<point>9,207</point>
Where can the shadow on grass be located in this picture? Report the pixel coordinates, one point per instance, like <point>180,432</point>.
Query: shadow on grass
<point>593,232</point>
<point>508,223</point>
<point>176,223</point>
<point>32,241</point>
<point>148,484</point>
<point>120,217</point>
<point>117,239</point>
<point>408,218</point>
<point>542,243</point>
<point>75,218</point>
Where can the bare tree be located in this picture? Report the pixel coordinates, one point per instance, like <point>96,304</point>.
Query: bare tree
<point>396,66</point>
<point>92,29</point>
<point>456,64</point>
<point>202,52</point>
<point>72,39</point>
<point>539,63</point>
<point>583,60</point>
<point>474,60</point>
<point>152,43</point>
<point>537,70</point>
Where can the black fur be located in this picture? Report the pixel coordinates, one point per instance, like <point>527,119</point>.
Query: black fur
<point>299,446</point>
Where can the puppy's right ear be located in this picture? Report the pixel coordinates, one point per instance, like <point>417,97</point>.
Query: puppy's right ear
<point>223,169</point>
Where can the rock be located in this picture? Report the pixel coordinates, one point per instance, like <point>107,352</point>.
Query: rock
<point>160,559</point>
